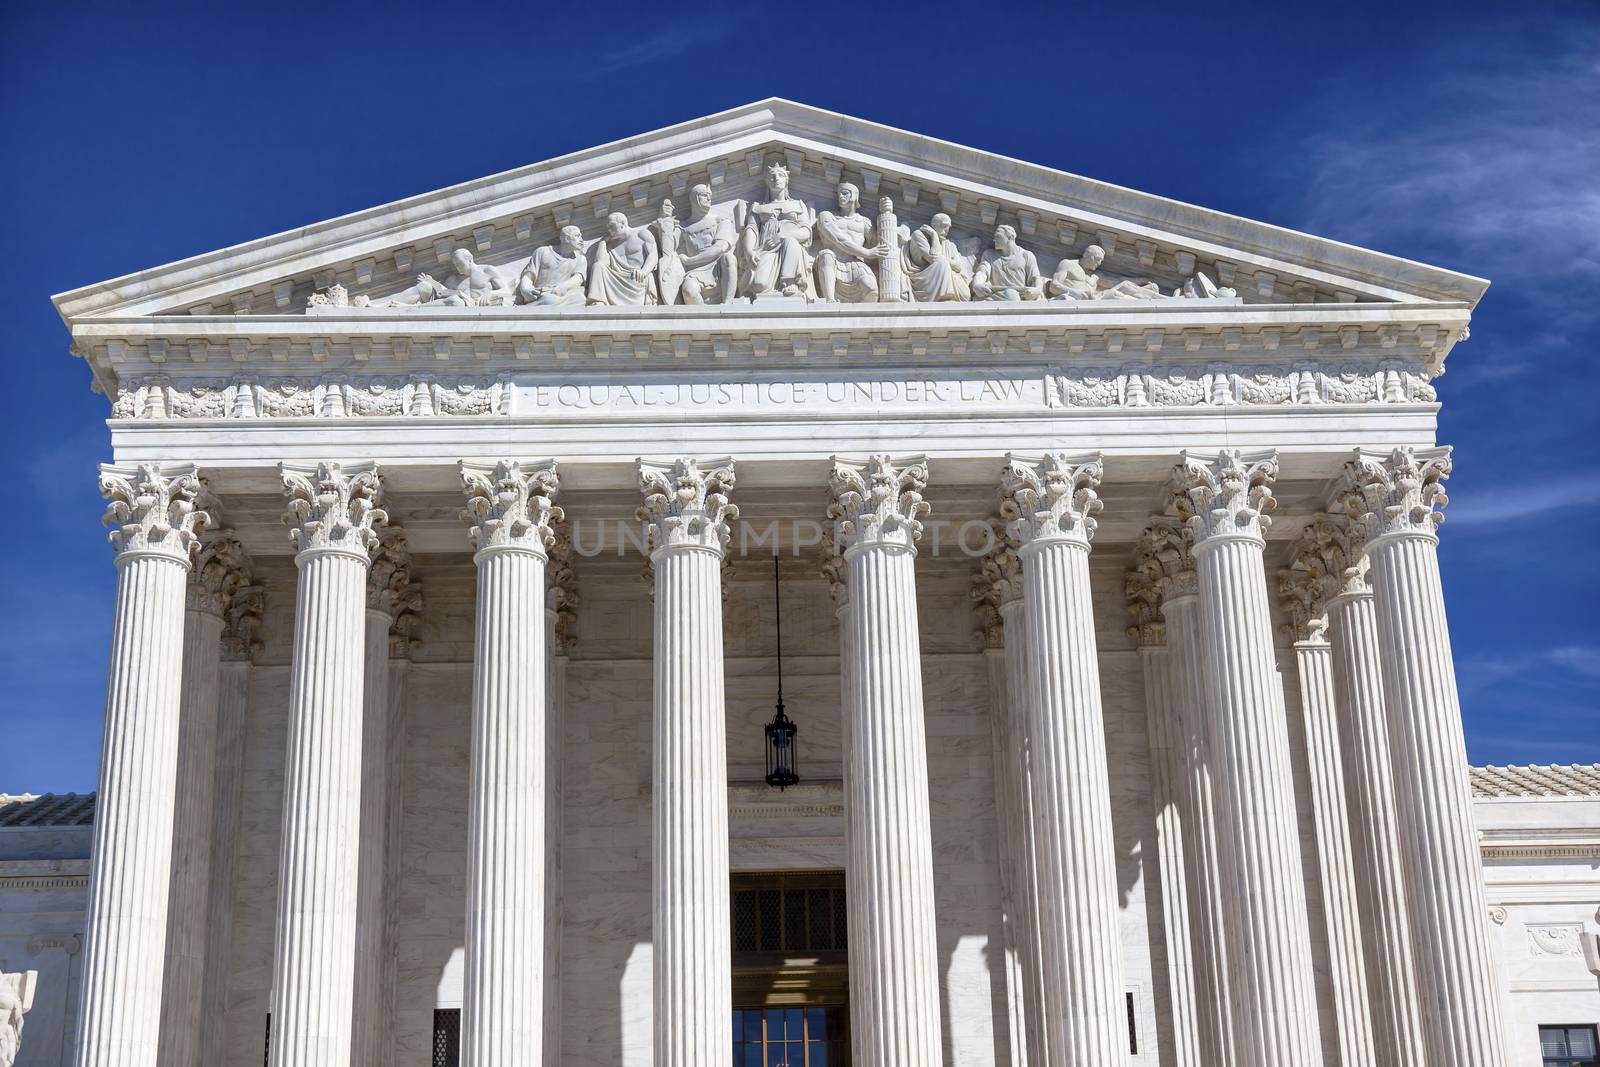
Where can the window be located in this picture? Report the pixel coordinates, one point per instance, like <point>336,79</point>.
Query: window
<point>446,1037</point>
<point>790,1037</point>
<point>1569,1046</point>
<point>788,913</point>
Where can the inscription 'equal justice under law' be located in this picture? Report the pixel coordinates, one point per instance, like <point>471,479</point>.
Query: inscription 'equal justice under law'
<point>739,394</point>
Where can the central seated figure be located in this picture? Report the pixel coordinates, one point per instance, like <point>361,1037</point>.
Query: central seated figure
<point>774,239</point>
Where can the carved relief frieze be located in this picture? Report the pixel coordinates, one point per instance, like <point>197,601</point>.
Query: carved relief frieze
<point>1222,384</point>
<point>330,396</point>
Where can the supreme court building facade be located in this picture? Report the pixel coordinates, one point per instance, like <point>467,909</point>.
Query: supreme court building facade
<point>1111,624</point>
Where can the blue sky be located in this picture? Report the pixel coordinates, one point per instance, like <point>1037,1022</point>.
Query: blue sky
<point>1466,136</point>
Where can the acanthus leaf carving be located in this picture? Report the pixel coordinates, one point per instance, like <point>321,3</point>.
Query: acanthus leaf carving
<point>997,583</point>
<point>333,506</point>
<point>154,508</point>
<point>1226,496</point>
<point>686,504</point>
<point>220,568</point>
<point>878,502</point>
<point>510,505</point>
<point>1052,498</point>
<point>1396,493</point>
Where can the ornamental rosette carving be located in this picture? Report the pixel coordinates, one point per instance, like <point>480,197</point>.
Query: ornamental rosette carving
<point>509,505</point>
<point>878,503</point>
<point>997,584</point>
<point>561,585</point>
<point>220,568</point>
<point>333,507</point>
<point>1052,498</point>
<point>154,508</point>
<point>685,505</point>
<point>389,576</point>
<point>1398,493</point>
<point>241,618</point>
<point>1228,496</point>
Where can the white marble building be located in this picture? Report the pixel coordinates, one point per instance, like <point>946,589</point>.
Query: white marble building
<point>1100,761</point>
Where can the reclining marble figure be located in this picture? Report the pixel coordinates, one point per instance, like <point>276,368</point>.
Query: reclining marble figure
<point>1075,279</point>
<point>473,284</point>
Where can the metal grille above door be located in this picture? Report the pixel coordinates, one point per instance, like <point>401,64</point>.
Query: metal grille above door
<point>446,1037</point>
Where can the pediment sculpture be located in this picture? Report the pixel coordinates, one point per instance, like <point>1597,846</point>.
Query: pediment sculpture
<point>16,998</point>
<point>778,247</point>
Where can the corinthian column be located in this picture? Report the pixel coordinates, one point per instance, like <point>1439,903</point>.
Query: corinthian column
<point>240,621</point>
<point>510,509</point>
<point>332,513</point>
<point>157,523</point>
<point>1379,859</point>
<point>686,514</point>
<point>1166,559</point>
<point>997,592</point>
<point>1052,504</point>
<point>390,591</point>
<point>1397,496</point>
<point>1224,501</point>
<point>1168,768</point>
<point>1303,592</point>
<point>877,507</point>
<point>217,573</point>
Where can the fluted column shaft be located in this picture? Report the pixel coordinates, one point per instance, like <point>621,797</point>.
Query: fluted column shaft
<point>1208,885</point>
<point>554,823</point>
<point>226,795</point>
<point>371,1028</point>
<point>692,952</point>
<point>1380,859</point>
<point>686,510</point>
<point>1167,801</point>
<point>1335,859</point>
<point>1024,856</point>
<point>877,507</point>
<point>898,952</point>
<point>1273,988</point>
<point>1079,941</point>
<point>187,913</point>
<point>1006,817</point>
<point>858,916</point>
<point>126,924</point>
<point>1396,497</point>
<point>332,514</point>
<point>502,1020</point>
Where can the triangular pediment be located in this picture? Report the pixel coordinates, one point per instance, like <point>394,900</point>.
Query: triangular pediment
<point>502,219</point>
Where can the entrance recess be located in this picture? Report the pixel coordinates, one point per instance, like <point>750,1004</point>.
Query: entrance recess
<point>791,985</point>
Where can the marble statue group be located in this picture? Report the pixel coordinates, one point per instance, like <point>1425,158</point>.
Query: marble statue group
<point>779,248</point>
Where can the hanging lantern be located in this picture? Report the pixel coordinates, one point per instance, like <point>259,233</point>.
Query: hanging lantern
<point>782,768</point>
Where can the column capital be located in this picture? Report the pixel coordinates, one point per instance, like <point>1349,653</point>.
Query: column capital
<point>877,502</point>
<point>561,585</point>
<point>389,582</point>
<point>1164,554</point>
<point>241,617</point>
<point>156,509</point>
<point>1051,498</point>
<point>220,568</point>
<point>1226,497</point>
<point>1328,562</point>
<point>686,506</point>
<point>1143,593</point>
<point>510,505</point>
<point>1396,493</point>
<point>997,584</point>
<point>333,507</point>
<point>835,571</point>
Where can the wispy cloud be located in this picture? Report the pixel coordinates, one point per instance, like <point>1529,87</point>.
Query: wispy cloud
<point>1569,667</point>
<point>1500,504</point>
<point>666,43</point>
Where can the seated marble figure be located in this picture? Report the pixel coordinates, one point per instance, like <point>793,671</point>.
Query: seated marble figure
<point>623,272</point>
<point>555,274</point>
<point>698,263</point>
<point>473,284</point>
<point>845,268</point>
<point>937,267</point>
<point>1007,271</point>
<point>1075,279</point>
<point>774,242</point>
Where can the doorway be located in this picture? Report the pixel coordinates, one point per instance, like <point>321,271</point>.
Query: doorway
<point>791,984</point>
